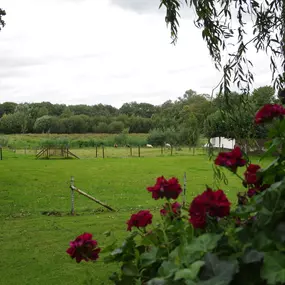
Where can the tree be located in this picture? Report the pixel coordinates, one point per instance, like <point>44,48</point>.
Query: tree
<point>7,108</point>
<point>215,18</point>
<point>11,123</point>
<point>263,95</point>
<point>116,127</point>
<point>215,126</point>
<point>78,124</point>
<point>156,138</point>
<point>24,114</point>
<point>2,23</point>
<point>144,110</point>
<point>66,113</point>
<point>44,124</point>
<point>102,127</point>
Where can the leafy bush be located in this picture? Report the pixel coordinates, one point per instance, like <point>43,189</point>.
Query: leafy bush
<point>4,141</point>
<point>137,141</point>
<point>121,139</point>
<point>156,137</point>
<point>116,127</point>
<point>212,242</point>
<point>58,142</point>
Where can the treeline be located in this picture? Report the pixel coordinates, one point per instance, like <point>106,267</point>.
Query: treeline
<point>187,117</point>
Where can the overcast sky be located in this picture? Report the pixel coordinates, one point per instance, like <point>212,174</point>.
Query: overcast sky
<point>103,51</point>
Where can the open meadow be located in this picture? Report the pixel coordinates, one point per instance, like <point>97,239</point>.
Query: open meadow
<point>33,243</point>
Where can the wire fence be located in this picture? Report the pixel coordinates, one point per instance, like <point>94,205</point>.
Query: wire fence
<point>120,152</point>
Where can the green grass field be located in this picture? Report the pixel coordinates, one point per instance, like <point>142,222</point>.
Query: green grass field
<point>33,245</point>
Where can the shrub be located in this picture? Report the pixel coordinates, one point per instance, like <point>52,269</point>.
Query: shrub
<point>116,127</point>
<point>212,242</point>
<point>4,141</point>
<point>156,137</point>
<point>121,139</point>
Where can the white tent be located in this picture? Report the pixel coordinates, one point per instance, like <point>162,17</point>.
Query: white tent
<point>222,143</point>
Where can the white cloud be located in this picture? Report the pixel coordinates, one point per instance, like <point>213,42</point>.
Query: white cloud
<point>98,51</point>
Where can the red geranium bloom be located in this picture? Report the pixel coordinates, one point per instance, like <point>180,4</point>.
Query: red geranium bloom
<point>84,248</point>
<point>140,220</point>
<point>175,209</point>
<point>251,192</point>
<point>213,203</point>
<point>231,159</point>
<point>251,174</point>
<point>163,188</point>
<point>268,112</point>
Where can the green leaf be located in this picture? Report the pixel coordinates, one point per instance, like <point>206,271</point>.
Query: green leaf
<point>218,272</point>
<point>167,269</point>
<point>262,242</point>
<point>205,243</point>
<point>157,281</point>
<point>185,273</point>
<point>149,257</point>
<point>264,170</point>
<point>273,269</point>
<point>252,256</point>
<point>190,282</point>
<point>191,272</point>
<point>129,269</point>
<point>280,232</point>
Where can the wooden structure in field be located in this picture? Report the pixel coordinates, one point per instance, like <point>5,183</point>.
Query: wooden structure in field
<point>55,152</point>
<point>73,188</point>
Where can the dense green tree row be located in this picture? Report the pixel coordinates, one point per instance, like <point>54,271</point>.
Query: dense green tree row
<point>188,116</point>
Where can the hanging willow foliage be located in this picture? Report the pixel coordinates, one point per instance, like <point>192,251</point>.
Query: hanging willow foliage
<point>2,23</point>
<point>215,19</point>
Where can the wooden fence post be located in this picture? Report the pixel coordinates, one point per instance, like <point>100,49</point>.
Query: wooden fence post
<point>103,151</point>
<point>171,150</point>
<point>72,195</point>
<point>139,151</point>
<point>161,149</point>
<point>1,153</point>
<point>131,151</point>
<point>184,189</point>
<point>96,151</point>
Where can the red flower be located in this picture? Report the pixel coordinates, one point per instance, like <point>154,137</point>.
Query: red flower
<point>163,188</point>
<point>231,159</point>
<point>140,220</point>
<point>268,112</point>
<point>251,192</point>
<point>251,174</point>
<point>84,248</point>
<point>175,209</point>
<point>213,203</point>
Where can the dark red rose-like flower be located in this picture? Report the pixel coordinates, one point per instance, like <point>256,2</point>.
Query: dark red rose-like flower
<point>175,209</point>
<point>140,220</point>
<point>84,248</point>
<point>257,189</point>
<point>169,189</point>
<point>212,203</point>
<point>251,192</point>
<point>242,198</point>
<point>231,159</point>
<point>269,112</point>
<point>251,174</point>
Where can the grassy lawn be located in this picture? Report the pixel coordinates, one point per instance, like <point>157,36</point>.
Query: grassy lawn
<point>33,245</point>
